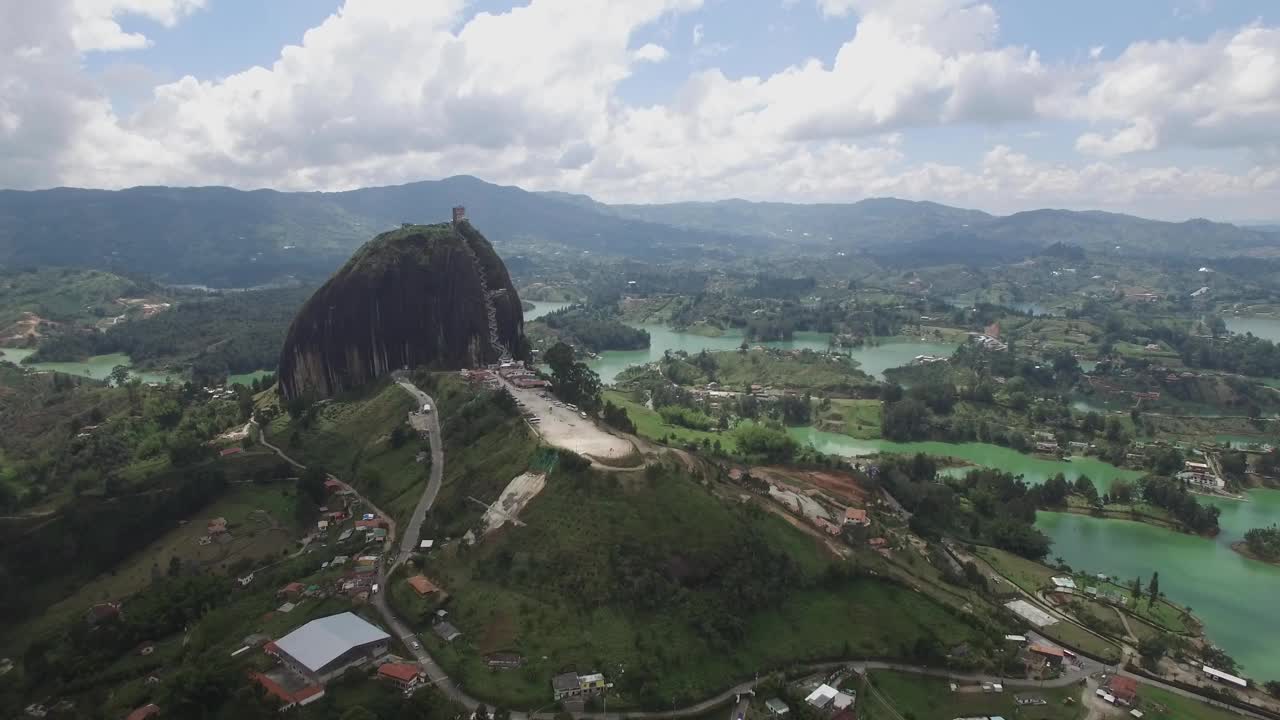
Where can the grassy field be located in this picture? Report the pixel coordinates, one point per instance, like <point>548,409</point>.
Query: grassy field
<point>664,651</point>
<point>1058,333</point>
<point>252,511</point>
<point>856,418</point>
<point>1026,574</point>
<point>253,538</point>
<point>1081,639</point>
<point>929,698</point>
<point>351,438</point>
<point>650,424</point>
<point>1032,576</point>
<point>1163,705</point>
<point>343,431</point>
<point>795,370</point>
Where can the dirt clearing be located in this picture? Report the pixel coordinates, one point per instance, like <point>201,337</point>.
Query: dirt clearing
<point>517,494</point>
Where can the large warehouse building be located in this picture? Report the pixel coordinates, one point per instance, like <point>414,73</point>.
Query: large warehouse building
<point>322,649</point>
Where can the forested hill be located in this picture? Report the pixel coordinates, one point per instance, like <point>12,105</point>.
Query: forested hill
<point>900,228</point>
<point>230,238</point>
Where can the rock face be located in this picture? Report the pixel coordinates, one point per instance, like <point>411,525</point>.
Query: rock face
<point>434,295</point>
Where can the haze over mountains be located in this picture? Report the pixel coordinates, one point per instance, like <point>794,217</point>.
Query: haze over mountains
<point>226,237</point>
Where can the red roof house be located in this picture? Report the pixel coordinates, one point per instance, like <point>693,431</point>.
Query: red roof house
<point>293,590</point>
<point>1052,654</point>
<point>231,451</point>
<point>217,525</point>
<point>1125,689</point>
<point>855,516</point>
<point>332,486</point>
<point>422,585</point>
<point>288,699</point>
<point>403,675</point>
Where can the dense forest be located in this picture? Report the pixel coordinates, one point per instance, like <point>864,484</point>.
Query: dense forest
<point>1172,495</point>
<point>984,506</point>
<point>1264,542</point>
<point>217,335</point>
<point>594,329</point>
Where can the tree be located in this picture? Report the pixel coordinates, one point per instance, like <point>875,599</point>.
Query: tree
<point>1084,486</point>
<point>1153,588</point>
<point>1121,491</point>
<point>573,381</point>
<point>1153,649</point>
<point>119,375</point>
<point>1136,589</point>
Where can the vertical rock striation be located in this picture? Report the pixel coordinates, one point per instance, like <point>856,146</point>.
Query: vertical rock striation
<point>434,295</point>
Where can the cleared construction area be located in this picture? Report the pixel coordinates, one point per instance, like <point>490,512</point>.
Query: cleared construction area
<point>515,496</point>
<point>564,427</point>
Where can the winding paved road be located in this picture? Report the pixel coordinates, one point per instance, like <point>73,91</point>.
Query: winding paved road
<point>428,424</point>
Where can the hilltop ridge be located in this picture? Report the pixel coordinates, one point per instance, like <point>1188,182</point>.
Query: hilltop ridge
<point>421,295</point>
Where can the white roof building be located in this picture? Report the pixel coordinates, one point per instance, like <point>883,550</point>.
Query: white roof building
<point>323,648</point>
<point>1226,678</point>
<point>1064,583</point>
<point>826,696</point>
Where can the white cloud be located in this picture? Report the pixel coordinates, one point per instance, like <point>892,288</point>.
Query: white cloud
<point>1141,135</point>
<point>385,91</point>
<point>1223,92</point>
<point>97,28</point>
<point>650,52</point>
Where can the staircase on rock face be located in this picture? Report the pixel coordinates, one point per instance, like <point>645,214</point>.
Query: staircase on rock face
<point>490,310</point>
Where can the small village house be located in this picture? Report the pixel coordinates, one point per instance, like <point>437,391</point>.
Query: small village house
<point>292,591</point>
<point>1051,655</point>
<point>1123,689</point>
<point>422,585</point>
<point>402,675</point>
<point>829,699</point>
<point>571,684</point>
<point>856,516</point>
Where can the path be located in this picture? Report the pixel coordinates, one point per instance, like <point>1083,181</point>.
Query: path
<point>443,683</point>
<point>427,423</point>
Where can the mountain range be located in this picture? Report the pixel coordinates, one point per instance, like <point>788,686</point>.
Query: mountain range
<point>224,237</point>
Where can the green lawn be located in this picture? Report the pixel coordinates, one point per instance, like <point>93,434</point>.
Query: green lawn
<point>1081,639</point>
<point>649,424</point>
<point>857,418</point>
<point>1161,704</point>
<point>929,698</point>
<point>1026,574</point>
<point>802,371</point>
<point>1163,613</point>
<point>1031,576</point>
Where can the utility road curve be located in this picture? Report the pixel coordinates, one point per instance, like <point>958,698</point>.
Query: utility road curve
<point>428,424</point>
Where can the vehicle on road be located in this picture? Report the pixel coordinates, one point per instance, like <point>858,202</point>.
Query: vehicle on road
<point>415,645</point>
<point>375,588</point>
<point>583,415</point>
<point>426,408</point>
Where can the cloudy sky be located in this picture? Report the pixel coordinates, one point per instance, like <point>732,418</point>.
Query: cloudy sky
<point>1164,108</point>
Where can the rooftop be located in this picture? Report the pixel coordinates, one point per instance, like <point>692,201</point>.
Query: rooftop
<point>565,681</point>
<point>320,642</point>
<point>404,672</point>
